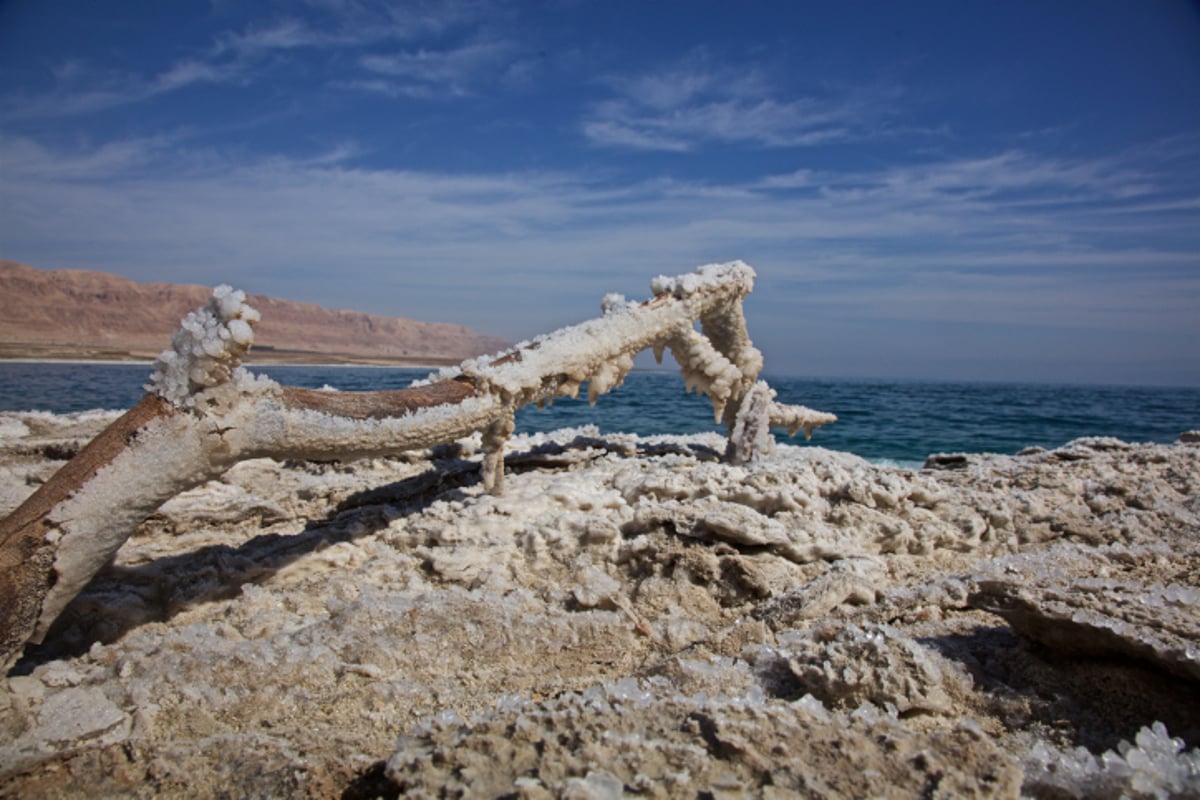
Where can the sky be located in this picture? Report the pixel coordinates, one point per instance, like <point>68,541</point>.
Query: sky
<point>933,190</point>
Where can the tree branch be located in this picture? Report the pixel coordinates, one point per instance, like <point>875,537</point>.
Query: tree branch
<point>205,413</point>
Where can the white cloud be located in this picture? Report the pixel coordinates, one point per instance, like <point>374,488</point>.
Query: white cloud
<point>84,90</point>
<point>622,134</point>
<point>350,30</point>
<point>283,34</point>
<point>695,102</point>
<point>186,73</point>
<point>1012,172</point>
<point>520,253</point>
<point>26,159</point>
<point>349,24</point>
<point>425,72</point>
<point>906,247</point>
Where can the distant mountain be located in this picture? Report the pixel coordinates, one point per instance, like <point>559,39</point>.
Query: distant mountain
<point>94,315</point>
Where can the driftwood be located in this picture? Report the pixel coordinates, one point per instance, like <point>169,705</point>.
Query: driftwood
<point>204,414</point>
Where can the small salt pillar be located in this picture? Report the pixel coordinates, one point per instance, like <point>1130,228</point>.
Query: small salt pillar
<point>495,436</point>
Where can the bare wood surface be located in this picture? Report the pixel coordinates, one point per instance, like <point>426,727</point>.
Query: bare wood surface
<point>378,404</point>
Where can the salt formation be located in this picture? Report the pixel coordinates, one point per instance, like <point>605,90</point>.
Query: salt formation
<point>206,348</point>
<point>1084,601</point>
<point>633,615</point>
<point>844,665</point>
<point>1154,766</point>
<point>646,739</point>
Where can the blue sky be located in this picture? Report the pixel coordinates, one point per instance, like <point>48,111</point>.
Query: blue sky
<point>976,190</point>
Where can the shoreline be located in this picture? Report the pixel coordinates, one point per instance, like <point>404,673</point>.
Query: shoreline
<point>63,352</point>
<point>150,363</point>
<point>283,362</point>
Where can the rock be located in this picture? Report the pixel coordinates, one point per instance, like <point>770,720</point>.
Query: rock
<point>77,717</point>
<point>946,461</point>
<point>634,616</point>
<point>72,716</point>
<point>851,580</point>
<point>740,525</point>
<point>1058,599</point>
<point>655,742</point>
<point>844,666</point>
<point>218,502</point>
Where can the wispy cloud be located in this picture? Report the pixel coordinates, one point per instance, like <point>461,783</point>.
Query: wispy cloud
<point>25,159</point>
<point>943,241</point>
<point>616,132</point>
<point>427,72</point>
<point>367,32</point>
<point>281,34</point>
<point>82,90</point>
<point>349,24</point>
<point>1013,173</point>
<point>186,73</point>
<point>696,102</point>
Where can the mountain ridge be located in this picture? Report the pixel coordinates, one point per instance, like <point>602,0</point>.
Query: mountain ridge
<point>91,315</point>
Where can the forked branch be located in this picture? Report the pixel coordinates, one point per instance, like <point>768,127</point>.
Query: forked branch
<point>204,414</point>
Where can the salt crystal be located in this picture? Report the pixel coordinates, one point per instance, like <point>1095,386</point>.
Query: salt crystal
<point>206,348</point>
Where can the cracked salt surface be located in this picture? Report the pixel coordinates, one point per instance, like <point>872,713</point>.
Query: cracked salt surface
<point>633,616</point>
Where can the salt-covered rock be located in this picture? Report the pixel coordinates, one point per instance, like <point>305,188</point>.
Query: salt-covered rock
<point>851,581</point>
<point>844,665</point>
<point>12,427</point>
<point>75,715</point>
<point>627,594</point>
<point>655,742</point>
<point>69,718</point>
<point>1083,602</point>
<point>1154,766</point>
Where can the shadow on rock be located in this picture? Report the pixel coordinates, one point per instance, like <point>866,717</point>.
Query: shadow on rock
<point>1094,702</point>
<point>120,599</point>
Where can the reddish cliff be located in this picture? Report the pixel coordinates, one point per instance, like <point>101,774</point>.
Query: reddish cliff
<point>79,314</point>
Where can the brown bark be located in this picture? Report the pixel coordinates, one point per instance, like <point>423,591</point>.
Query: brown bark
<point>381,404</point>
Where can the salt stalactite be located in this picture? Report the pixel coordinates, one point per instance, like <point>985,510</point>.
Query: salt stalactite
<point>705,369</point>
<point>204,414</point>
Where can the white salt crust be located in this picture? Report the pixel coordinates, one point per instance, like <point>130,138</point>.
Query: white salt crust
<point>206,348</point>
<point>631,601</point>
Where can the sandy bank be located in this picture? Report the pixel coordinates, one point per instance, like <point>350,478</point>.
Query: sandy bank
<point>633,616</point>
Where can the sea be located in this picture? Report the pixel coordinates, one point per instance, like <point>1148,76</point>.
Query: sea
<point>894,422</point>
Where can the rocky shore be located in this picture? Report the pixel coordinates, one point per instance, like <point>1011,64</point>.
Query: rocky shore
<point>632,618</point>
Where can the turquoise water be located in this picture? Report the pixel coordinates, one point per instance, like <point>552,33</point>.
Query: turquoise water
<point>883,420</point>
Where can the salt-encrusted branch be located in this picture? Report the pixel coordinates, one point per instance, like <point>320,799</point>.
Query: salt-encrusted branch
<point>204,413</point>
